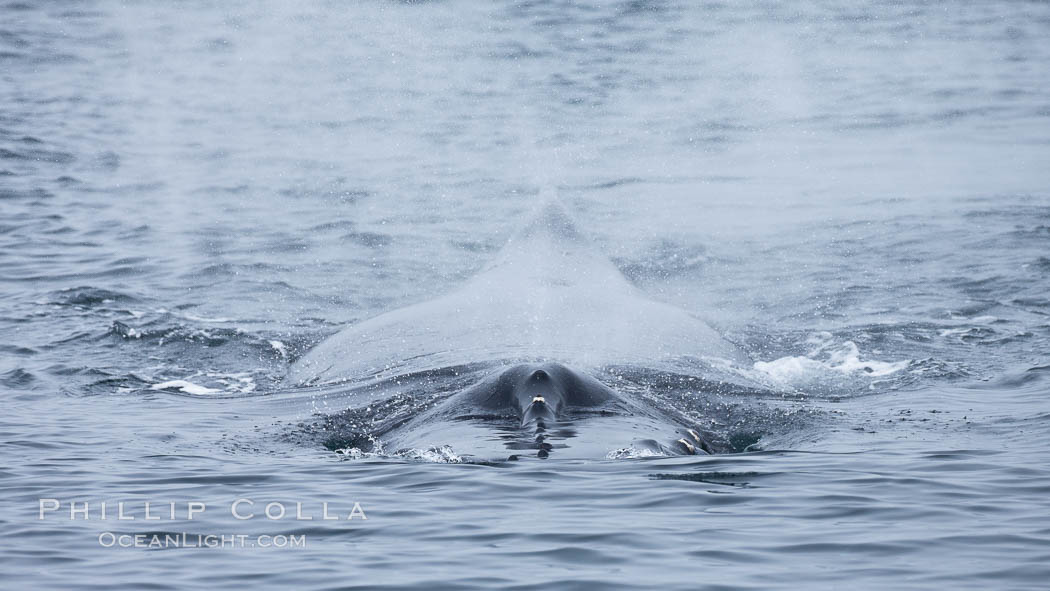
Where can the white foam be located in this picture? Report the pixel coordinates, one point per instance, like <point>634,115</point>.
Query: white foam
<point>242,383</point>
<point>184,386</point>
<point>844,359</point>
<point>204,319</point>
<point>281,349</point>
<point>353,453</point>
<point>437,455</point>
<point>630,453</point>
<point>193,317</point>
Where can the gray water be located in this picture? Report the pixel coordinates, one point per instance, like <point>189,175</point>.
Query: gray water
<point>193,195</point>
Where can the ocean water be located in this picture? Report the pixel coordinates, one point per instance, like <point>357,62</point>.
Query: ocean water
<point>194,195</point>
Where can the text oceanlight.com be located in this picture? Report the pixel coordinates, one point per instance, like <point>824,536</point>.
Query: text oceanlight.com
<point>193,540</point>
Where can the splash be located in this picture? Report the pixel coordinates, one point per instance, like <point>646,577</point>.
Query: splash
<point>225,383</point>
<point>632,453</point>
<point>443,454</point>
<point>825,361</point>
<point>185,386</point>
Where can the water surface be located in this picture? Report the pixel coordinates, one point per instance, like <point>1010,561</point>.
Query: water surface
<point>192,196</point>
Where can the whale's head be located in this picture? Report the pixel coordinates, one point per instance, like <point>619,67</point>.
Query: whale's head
<point>544,406</point>
<point>543,391</point>
<point>539,396</point>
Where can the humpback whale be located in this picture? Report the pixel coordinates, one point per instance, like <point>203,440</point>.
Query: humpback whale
<point>545,321</point>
